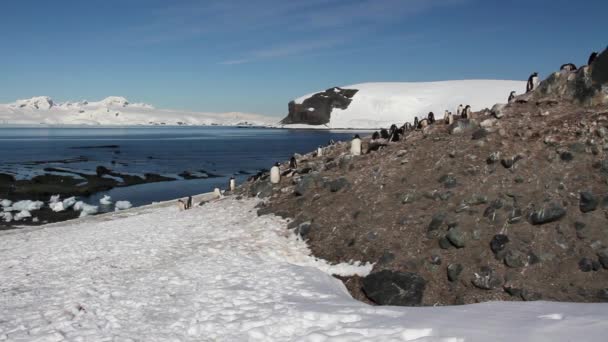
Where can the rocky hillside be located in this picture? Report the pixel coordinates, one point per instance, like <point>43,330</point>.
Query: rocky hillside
<point>509,205</point>
<point>316,110</point>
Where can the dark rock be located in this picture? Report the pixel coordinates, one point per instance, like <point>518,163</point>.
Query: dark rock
<point>321,104</point>
<point>515,215</point>
<point>596,266</point>
<point>394,288</point>
<point>338,184</point>
<point>454,271</point>
<point>508,163</point>
<point>304,185</point>
<point>498,243</point>
<point>515,258</point>
<point>102,170</point>
<point>566,156</point>
<point>582,232</point>
<point>585,265</point>
<point>264,211</point>
<point>409,198</point>
<point>602,295</point>
<point>444,243</point>
<point>479,134</point>
<point>487,279</point>
<point>477,200</point>
<point>552,212</point>
<point>588,202</point>
<point>386,258</point>
<point>515,292</point>
<point>529,296</point>
<point>456,237</point>
<point>603,258</point>
<point>533,258</point>
<point>303,229</point>
<point>435,259</point>
<point>261,189</point>
<point>436,222</point>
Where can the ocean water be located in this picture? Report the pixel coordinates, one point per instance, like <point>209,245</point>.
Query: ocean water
<point>223,151</point>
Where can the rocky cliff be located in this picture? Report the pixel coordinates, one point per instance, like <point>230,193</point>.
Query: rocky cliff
<point>316,110</point>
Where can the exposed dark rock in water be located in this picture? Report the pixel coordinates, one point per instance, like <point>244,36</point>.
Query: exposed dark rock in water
<point>316,110</point>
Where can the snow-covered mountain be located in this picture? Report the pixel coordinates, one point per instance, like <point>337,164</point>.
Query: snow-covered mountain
<point>375,105</point>
<point>115,110</point>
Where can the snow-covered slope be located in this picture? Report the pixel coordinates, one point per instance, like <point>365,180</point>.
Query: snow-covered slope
<point>378,105</point>
<point>115,110</point>
<point>221,273</point>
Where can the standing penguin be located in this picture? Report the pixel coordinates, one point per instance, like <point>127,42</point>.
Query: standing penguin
<point>431,118</point>
<point>532,82</point>
<point>232,184</point>
<point>459,110</point>
<point>376,135</point>
<point>449,118</point>
<point>384,133</point>
<point>189,202</point>
<point>568,67</point>
<point>466,112</point>
<point>319,151</point>
<point>293,163</point>
<point>511,96</point>
<point>592,58</point>
<point>416,122</point>
<point>275,174</point>
<point>355,146</point>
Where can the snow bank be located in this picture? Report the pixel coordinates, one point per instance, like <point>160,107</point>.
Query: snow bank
<point>116,110</point>
<point>378,105</point>
<point>122,205</point>
<point>221,273</point>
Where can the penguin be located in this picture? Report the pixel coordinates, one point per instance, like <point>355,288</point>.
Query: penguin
<point>532,82</point>
<point>384,134</point>
<point>466,112</point>
<point>445,116</point>
<point>459,110</point>
<point>416,122</point>
<point>422,124</point>
<point>355,146</point>
<point>449,119</point>
<point>592,58</point>
<point>319,151</point>
<point>217,192</point>
<point>376,135</point>
<point>293,163</point>
<point>189,202</point>
<point>232,184</point>
<point>568,67</point>
<point>511,96</point>
<point>275,174</point>
<point>394,135</point>
<point>407,126</point>
<point>431,118</point>
<point>181,205</point>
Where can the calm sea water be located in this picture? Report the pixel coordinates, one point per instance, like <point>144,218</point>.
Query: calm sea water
<point>163,150</point>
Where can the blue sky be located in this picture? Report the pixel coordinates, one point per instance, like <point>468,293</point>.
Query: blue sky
<point>256,55</point>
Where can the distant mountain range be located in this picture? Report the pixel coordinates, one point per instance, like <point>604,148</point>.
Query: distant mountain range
<point>116,110</point>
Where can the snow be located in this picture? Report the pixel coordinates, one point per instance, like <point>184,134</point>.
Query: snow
<point>378,105</point>
<point>122,205</point>
<point>221,273</point>
<point>116,110</point>
<point>106,200</point>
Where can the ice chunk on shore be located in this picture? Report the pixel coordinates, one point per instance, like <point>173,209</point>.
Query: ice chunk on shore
<point>21,215</point>
<point>88,209</point>
<point>26,205</point>
<point>54,199</point>
<point>106,200</point>
<point>6,216</point>
<point>6,203</point>
<point>56,206</point>
<point>123,205</point>
<point>69,202</point>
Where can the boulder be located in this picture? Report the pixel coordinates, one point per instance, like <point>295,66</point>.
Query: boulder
<point>316,110</point>
<point>487,279</point>
<point>394,288</point>
<point>461,126</point>
<point>456,237</point>
<point>588,202</point>
<point>499,110</point>
<point>552,212</point>
<point>454,271</point>
<point>261,189</point>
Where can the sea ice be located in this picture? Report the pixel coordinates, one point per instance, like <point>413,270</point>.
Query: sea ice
<point>122,205</point>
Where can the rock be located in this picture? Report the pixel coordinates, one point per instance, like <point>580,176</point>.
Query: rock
<point>588,202</point>
<point>515,215</point>
<point>552,212</point>
<point>498,243</point>
<point>479,134</point>
<point>304,185</point>
<point>444,243</point>
<point>602,295</point>
<point>566,156</point>
<point>508,163</point>
<point>409,198</point>
<point>448,181</point>
<point>515,259</point>
<point>386,258</point>
<point>515,292</point>
<point>585,265</point>
<point>487,279</point>
<point>454,271</point>
<point>338,184</point>
<point>261,189</point>
<point>499,110</point>
<point>303,229</point>
<point>317,109</point>
<point>603,258</point>
<point>436,222</point>
<point>487,123</point>
<point>582,232</point>
<point>529,296</point>
<point>345,161</point>
<point>595,265</point>
<point>394,288</point>
<point>456,237</point>
<point>477,200</point>
<point>461,126</point>
<point>493,158</point>
<point>435,259</point>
